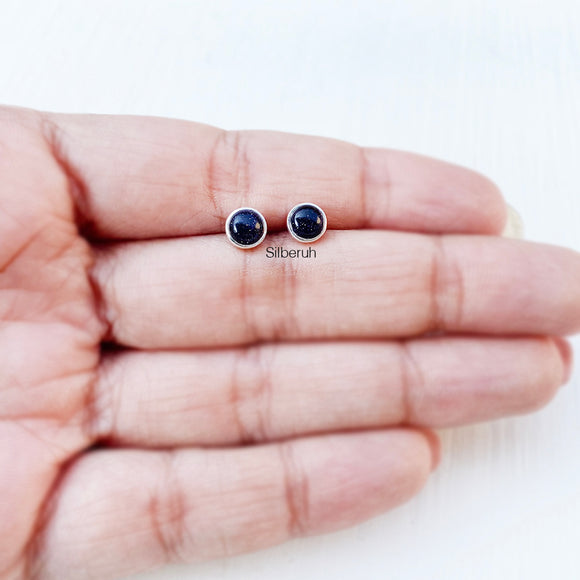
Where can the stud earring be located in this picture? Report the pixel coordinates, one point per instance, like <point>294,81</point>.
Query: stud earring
<point>246,228</point>
<point>306,222</point>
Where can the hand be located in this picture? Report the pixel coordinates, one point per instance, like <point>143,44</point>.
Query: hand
<point>166,396</point>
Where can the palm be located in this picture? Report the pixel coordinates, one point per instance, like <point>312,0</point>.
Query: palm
<point>50,339</point>
<point>251,401</point>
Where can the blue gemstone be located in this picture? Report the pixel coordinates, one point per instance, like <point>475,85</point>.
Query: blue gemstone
<point>246,227</point>
<point>307,222</point>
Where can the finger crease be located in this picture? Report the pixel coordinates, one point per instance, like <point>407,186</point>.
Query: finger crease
<point>256,387</point>
<point>235,401</point>
<point>457,284</point>
<point>436,321</point>
<point>263,391</point>
<point>447,290</point>
<point>363,189</point>
<point>53,137</point>
<point>287,326</point>
<point>101,407</point>
<point>241,164</point>
<point>228,170</point>
<point>211,178</point>
<point>252,332</point>
<point>297,492</point>
<point>412,382</point>
<point>168,516</point>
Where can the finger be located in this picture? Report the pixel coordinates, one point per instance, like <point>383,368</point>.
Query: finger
<point>138,177</point>
<point>143,509</point>
<point>226,397</point>
<point>170,294</point>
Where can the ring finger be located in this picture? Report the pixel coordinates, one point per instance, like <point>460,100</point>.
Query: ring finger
<point>267,393</point>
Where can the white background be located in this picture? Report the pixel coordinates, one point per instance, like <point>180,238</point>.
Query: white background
<point>492,84</point>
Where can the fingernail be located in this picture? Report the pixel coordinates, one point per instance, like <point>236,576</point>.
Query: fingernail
<point>514,227</point>
<point>567,355</point>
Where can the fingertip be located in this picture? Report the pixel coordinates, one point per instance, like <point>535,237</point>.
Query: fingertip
<point>410,191</point>
<point>356,476</point>
<point>476,204</point>
<point>567,354</point>
<point>493,209</point>
<point>434,443</point>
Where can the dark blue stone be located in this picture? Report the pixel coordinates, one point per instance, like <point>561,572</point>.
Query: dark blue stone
<point>246,227</point>
<point>307,222</point>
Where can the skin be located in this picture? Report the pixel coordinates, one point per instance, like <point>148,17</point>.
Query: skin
<point>166,397</point>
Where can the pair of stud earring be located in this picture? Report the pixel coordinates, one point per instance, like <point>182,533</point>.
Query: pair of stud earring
<point>246,227</point>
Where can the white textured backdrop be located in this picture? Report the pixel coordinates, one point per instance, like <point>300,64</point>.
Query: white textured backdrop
<point>492,84</point>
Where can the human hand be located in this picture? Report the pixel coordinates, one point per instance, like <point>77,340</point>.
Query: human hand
<point>239,401</point>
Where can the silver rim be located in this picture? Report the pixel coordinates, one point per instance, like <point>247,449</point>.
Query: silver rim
<point>244,247</point>
<point>294,235</point>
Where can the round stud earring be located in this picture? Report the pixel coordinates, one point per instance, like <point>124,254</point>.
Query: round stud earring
<point>246,228</point>
<point>306,222</point>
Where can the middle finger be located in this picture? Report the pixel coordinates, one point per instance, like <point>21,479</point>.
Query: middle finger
<point>203,292</point>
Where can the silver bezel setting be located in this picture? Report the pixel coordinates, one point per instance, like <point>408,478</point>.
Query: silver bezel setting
<point>242,246</point>
<point>297,237</point>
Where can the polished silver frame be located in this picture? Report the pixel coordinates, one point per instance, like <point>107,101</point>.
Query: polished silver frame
<point>241,245</point>
<point>306,240</point>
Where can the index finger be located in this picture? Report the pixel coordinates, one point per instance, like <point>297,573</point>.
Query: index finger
<point>140,177</point>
